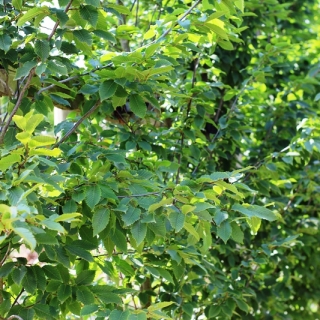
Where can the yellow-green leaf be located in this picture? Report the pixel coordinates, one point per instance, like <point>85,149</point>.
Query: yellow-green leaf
<point>8,161</point>
<point>32,13</point>
<point>40,141</point>
<point>45,152</point>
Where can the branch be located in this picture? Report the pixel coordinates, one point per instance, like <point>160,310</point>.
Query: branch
<point>17,105</point>
<point>140,195</point>
<point>6,255</point>
<point>77,124</point>
<point>61,81</point>
<point>233,106</point>
<point>58,21</point>
<point>181,19</point>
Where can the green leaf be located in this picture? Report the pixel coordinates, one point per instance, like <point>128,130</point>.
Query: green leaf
<point>95,3</point>
<point>100,220</point>
<point>25,69</point>
<point>40,141</point>
<point>224,231</point>
<point>84,295</point>
<point>237,234</point>
<point>220,216</point>
<point>79,252</point>
<point>242,305</point>
<point>131,216</point>
<point>6,269</point>
<point>57,67</point>
<point>52,272</point>
<point>107,89</point>
<point>18,274</point>
<point>64,292</point>
<point>254,224</point>
<point>119,315</point>
<point>27,237</point>
<point>159,306</point>
<point>214,311</point>
<point>139,231</point>
<point>138,315</point>
<point>119,239</point>
<point>137,105</point>
<point>90,14</point>
<point>7,161</point>
<point>83,36</point>
<point>29,281</point>
<point>317,97</point>
<point>42,49</point>
<point>177,220</point>
<point>255,211</point>
<point>17,4</point>
<point>32,13</point>
<point>121,9</point>
<point>43,311</point>
<point>5,42</point>
<point>89,309</point>
<point>44,238</point>
<point>93,195</point>
<point>85,277</point>
<point>105,35</point>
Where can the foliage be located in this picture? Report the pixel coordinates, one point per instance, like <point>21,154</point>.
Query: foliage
<point>184,183</point>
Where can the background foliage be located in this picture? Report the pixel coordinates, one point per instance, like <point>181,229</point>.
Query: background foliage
<point>184,183</point>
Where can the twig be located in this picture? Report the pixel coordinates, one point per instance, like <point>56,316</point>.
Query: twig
<point>17,105</point>
<point>61,81</point>
<point>58,21</point>
<point>196,65</point>
<point>77,124</point>
<point>140,195</point>
<point>180,20</point>
<point>232,107</point>
<point>6,255</point>
<point>17,297</point>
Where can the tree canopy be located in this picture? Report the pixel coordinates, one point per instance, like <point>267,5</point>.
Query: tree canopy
<point>184,183</point>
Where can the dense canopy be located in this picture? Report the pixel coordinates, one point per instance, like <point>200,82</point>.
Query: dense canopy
<point>184,182</point>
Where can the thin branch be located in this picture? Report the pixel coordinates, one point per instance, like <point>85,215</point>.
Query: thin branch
<point>61,81</point>
<point>180,20</point>
<point>17,297</point>
<point>17,105</point>
<point>58,21</point>
<point>194,74</point>
<point>233,106</point>
<point>216,118</point>
<point>6,255</point>
<point>77,124</point>
<point>137,12</point>
<point>140,195</point>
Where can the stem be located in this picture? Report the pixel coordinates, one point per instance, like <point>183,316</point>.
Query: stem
<point>6,255</point>
<point>17,105</point>
<point>196,65</point>
<point>181,19</point>
<point>77,124</point>
<point>58,21</point>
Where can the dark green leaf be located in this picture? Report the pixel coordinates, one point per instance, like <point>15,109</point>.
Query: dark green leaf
<point>100,220</point>
<point>139,231</point>
<point>42,49</point>
<point>83,36</point>
<point>90,14</point>
<point>107,89</point>
<point>224,231</point>
<point>137,105</point>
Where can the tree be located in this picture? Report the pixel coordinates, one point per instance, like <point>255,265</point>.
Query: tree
<point>184,182</point>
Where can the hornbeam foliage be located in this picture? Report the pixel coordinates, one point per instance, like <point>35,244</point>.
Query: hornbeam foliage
<point>184,183</point>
